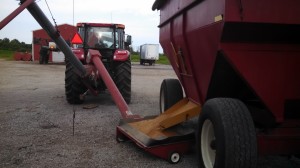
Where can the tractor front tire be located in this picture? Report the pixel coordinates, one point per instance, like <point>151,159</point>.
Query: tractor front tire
<point>74,88</point>
<point>122,79</point>
<point>226,135</point>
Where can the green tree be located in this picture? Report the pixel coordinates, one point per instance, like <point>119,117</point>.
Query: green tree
<point>14,45</point>
<point>4,44</point>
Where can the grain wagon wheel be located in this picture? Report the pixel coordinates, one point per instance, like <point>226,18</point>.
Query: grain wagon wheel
<point>226,135</point>
<point>170,93</point>
<point>174,157</point>
<point>121,138</point>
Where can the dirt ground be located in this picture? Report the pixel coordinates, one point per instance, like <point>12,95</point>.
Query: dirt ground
<point>36,121</point>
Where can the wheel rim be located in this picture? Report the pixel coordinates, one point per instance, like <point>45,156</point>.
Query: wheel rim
<point>120,139</point>
<point>175,157</point>
<point>207,144</point>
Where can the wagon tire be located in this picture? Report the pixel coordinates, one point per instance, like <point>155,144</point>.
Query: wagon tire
<point>123,79</point>
<point>225,135</point>
<point>121,138</point>
<point>170,93</point>
<point>74,88</point>
<point>174,157</point>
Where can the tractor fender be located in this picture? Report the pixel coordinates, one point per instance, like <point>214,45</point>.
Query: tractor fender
<point>121,55</point>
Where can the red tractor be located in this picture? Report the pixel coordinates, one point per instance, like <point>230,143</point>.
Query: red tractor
<point>110,41</point>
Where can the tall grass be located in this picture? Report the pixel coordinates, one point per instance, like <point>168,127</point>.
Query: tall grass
<point>162,59</point>
<point>7,55</point>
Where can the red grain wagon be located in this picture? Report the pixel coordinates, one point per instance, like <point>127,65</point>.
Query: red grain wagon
<point>239,60</point>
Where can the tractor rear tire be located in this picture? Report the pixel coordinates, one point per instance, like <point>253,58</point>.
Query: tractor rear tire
<point>226,135</point>
<point>170,93</point>
<point>74,88</point>
<point>41,60</point>
<point>122,79</point>
<point>46,59</point>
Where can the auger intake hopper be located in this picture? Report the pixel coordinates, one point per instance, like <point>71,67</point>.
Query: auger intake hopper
<point>166,135</point>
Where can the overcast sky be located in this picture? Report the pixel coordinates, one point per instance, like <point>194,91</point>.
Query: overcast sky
<point>140,21</point>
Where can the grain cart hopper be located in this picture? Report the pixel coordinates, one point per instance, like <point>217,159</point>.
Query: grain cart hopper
<point>239,60</point>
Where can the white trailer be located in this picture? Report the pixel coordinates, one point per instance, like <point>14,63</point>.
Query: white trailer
<point>149,53</point>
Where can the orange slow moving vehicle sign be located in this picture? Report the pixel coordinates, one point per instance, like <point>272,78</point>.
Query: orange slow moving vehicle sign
<point>77,39</point>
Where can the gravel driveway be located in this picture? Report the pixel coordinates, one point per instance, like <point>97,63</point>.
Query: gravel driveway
<point>36,121</point>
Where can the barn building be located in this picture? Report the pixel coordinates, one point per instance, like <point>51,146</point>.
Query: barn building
<point>40,38</point>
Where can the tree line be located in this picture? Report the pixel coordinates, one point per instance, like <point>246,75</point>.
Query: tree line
<point>14,45</point>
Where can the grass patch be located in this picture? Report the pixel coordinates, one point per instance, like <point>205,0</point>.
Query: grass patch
<point>162,59</point>
<point>135,58</point>
<point>7,55</point>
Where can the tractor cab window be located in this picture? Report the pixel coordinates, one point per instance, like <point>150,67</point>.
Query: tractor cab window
<point>81,31</point>
<point>117,39</point>
<point>100,37</point>
<point>120,38</point>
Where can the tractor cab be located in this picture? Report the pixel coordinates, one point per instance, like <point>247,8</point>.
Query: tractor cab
<point>109,39</point>
<point>113,46</point>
